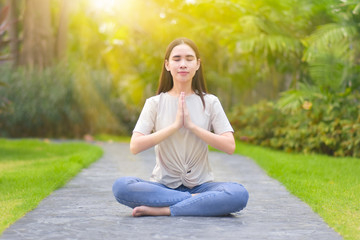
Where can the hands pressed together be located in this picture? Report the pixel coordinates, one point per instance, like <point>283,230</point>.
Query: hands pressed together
<point>182,115</point>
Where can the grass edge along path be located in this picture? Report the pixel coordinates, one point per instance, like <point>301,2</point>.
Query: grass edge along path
<point>31,169</point>
<point>329,185</point>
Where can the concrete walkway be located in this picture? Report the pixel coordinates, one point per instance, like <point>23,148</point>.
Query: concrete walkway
<point>86,209</point>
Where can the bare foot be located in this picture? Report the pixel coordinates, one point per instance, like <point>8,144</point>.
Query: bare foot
<point>194,194</point>
<point>151,211</point>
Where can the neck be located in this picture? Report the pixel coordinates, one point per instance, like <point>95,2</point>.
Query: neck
<point>177,89</point>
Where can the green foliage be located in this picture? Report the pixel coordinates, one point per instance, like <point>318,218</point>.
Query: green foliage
<point>30,170</point>
<point>62,103</point>
<point>323,125</point>
<point>251,50</point>
<point>333,50</point>
<point>331,186</point>
<point>321,113</point>
<point>4,102</point>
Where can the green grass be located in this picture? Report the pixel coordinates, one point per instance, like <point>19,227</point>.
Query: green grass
<point>112,138</point>
<point>31,169</point>
<point>330,186</point>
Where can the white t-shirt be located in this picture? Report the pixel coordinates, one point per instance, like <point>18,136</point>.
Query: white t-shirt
<point>182,158</point>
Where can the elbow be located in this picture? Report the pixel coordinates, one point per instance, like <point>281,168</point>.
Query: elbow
<point>231,149</point>
<point>133,149</point>
<point>136,144</point>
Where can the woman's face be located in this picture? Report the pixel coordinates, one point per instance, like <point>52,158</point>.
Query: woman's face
<point>182,63</point>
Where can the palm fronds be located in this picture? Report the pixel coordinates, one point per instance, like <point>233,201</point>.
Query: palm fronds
<point>264,37</point>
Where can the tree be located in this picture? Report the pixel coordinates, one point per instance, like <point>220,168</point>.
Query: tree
<point>4,12</point>
<point>62,31</point>
<point>38,43</point>
<point>13,31</point>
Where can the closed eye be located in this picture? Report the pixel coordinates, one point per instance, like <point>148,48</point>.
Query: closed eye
<point>187,57</point>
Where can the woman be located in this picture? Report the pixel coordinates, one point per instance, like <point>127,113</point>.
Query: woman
<point>179,122</point>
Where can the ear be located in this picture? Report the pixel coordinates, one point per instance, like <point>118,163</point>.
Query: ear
<point>167,65</point>
<point>198,64</point>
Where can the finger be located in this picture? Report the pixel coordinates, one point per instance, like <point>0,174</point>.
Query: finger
<point>187,119</point>
<point>184,104</point>
<point>180,104</point>
<point>182,99</point>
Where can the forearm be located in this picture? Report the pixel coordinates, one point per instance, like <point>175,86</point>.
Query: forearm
<point>224,142</point>
<point>140,142</point>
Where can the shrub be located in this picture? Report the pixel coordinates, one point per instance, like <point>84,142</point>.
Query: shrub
<point>331,128</point>
<point>60,102</point>
<point>4,102</point>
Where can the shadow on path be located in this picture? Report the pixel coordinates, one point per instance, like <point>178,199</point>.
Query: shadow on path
<point>86,209</point>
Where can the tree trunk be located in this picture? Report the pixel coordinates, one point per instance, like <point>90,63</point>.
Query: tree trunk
<point>38,43</point>
<point>13,31</point>
<point>60,44</point>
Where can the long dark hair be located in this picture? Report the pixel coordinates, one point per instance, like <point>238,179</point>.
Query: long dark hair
<point>166,80</point>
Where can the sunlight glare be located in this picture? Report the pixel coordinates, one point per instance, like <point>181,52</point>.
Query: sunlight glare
<point>190,2</point>
<point>105,5</point>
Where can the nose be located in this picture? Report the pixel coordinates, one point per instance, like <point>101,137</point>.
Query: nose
<point>183,63</point>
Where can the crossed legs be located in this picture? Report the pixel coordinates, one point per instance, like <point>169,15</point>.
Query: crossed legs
<point>208,199</point>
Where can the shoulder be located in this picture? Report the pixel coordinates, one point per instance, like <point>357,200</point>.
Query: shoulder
<point>155,99</point>
<point>210,99</point>
<point>151,103</point>
<point>158,100</point>
<point>212,104</point>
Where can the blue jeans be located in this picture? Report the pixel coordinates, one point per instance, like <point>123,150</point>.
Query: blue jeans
<point>214,198</point>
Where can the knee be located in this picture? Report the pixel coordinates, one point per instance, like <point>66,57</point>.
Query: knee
<point>240,195</point>
<point>120,186</point>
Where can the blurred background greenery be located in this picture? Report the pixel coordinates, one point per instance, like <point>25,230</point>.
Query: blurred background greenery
<point>286,71</point>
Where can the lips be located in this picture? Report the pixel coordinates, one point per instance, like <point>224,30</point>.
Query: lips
<point>183,73</point>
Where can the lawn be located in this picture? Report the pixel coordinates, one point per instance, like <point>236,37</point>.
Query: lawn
<point>329,185</point>
<point>112,138</point>
<point>31,169</point>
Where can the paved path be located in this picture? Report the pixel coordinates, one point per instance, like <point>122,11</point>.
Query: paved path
<point>86,209</point>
